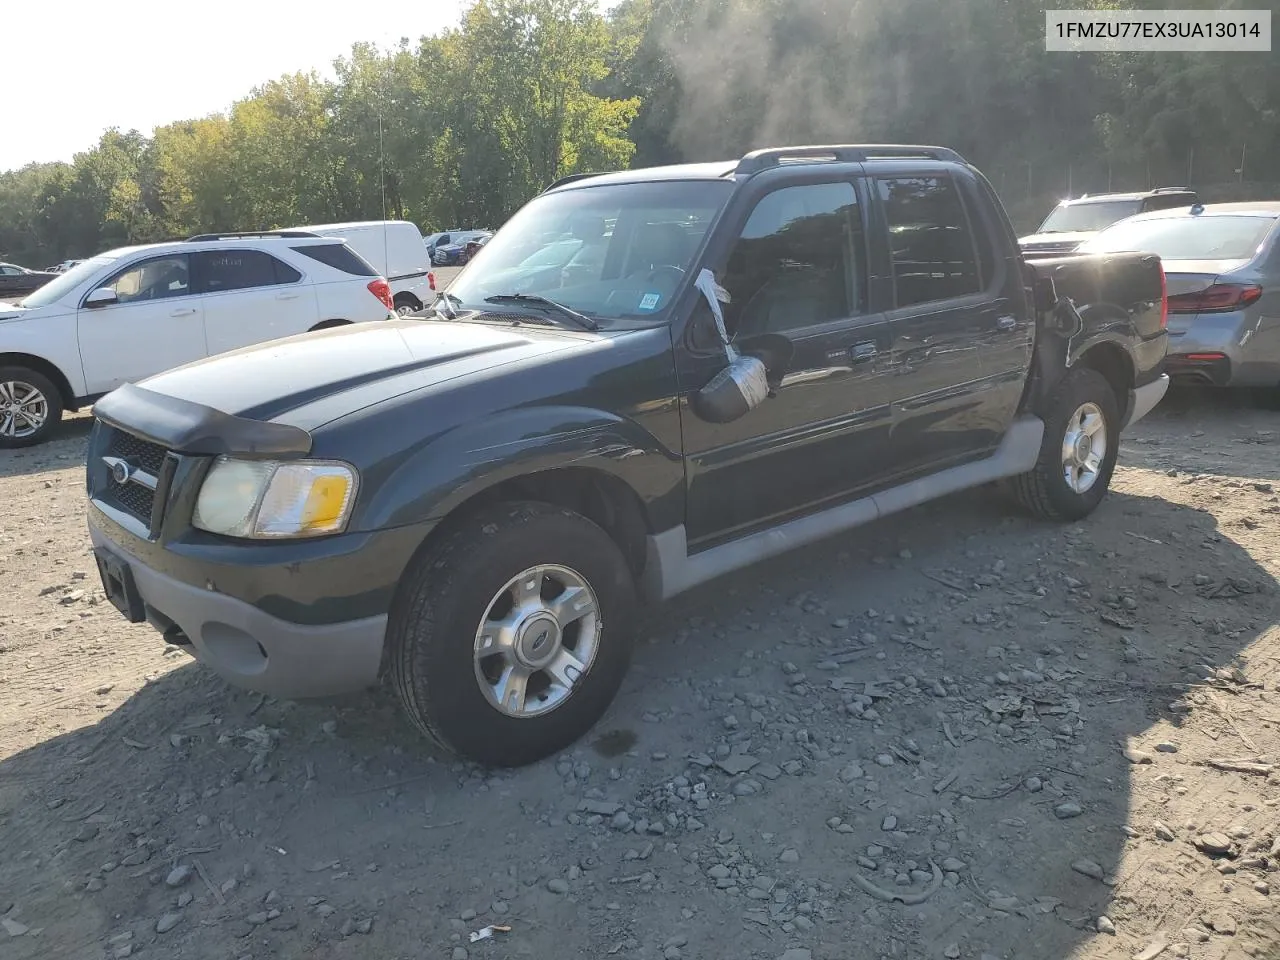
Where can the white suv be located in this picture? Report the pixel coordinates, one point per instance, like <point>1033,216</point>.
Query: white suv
<point>130,313</point>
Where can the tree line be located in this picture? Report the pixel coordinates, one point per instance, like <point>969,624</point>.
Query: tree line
<point>459,129</point>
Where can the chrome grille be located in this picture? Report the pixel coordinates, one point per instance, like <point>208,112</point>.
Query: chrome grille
<point>145,460</point>
<point>145,454</point>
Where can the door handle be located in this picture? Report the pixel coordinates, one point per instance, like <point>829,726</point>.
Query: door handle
<point>1006,323</point>
<point>286,296</point>
<point>864,351</point>
<point>182,312</point>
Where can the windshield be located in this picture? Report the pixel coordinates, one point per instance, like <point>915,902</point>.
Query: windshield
<point>59,287</point>
<point>1084,217</point>
<point>1186,238</point>
<point>611,252</point>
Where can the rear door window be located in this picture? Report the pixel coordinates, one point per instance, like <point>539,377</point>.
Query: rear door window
<point>933,252</point>
<point>220,271</point>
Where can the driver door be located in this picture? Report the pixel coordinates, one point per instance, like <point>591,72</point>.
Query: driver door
<point>798,279</point>
<point>155,323</point>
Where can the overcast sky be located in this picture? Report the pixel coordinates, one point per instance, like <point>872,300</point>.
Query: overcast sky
<point>74,68</point>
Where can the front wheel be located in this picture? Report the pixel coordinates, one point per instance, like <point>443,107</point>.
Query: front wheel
<point>509,639</point>
<point>30,407</point>
<point>1078,452</point>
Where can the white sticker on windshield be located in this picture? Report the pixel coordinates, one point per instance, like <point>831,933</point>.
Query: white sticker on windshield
<point>650,301</point>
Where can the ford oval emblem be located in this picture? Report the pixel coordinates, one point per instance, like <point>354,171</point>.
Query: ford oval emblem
<point>120,471</point>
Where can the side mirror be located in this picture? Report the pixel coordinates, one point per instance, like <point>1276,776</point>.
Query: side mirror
<point>733,392</point>
<point>102,297</point>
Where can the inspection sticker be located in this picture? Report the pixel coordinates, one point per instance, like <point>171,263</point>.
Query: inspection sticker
<point>650,301</point>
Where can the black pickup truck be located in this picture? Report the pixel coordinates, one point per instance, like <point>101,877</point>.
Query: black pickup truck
<point>762,353</point>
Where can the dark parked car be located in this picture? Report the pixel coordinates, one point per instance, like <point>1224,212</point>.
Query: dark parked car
<point>16,282</point>
<point>1072,222</point>
<point>455,254</point>
<point>472,247</point>
<point>771,351</point>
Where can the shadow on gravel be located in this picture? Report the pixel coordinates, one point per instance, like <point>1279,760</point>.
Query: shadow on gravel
<point>1188,429</point>
<point>1009,661</point>
<point>65,448</point>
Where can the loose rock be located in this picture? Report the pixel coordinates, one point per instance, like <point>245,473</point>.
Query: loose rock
<point>1067,810</point>
<point>178,875</point>
<point>1220,922</point>
<point>1087,867</point>
<point>168,922</point>
<point>13,928</point>
<point>1214,843</point>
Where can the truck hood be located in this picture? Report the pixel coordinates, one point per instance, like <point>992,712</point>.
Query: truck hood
<point>1057,240</point>
<point>295,380</point>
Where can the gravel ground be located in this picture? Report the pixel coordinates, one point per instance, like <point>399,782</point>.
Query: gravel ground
<point>957,733</point>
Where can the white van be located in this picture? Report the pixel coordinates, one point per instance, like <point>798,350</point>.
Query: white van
<point>396,250</point>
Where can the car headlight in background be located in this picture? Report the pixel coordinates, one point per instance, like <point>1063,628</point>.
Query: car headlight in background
<point>266,499</point>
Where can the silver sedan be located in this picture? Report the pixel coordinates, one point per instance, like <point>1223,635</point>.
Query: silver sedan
<point>1222,269</point>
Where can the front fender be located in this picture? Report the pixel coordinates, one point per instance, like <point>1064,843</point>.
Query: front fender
<point>438,477</point>
<point>48,337</point>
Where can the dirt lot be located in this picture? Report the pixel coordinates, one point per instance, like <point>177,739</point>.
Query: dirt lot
<point>1075,730</point>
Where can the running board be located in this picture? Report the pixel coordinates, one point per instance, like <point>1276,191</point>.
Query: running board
<point>670,569</point>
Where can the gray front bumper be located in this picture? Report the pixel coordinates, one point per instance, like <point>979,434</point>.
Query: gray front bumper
<point>255,650</point>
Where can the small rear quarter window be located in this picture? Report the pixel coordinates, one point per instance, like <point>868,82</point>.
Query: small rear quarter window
<point>340,257</point>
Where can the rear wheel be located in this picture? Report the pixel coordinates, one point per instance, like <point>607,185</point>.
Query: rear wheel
<point>30,407</point>
<point>406,304</point>
<point>509,639</point>
<point>1078,452</point>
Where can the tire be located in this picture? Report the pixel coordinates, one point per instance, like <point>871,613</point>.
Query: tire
<point>406,304</point>
<point>449,591</point>
<point>18,403</point>
<point>329,325</point>
<point>1045,489</point>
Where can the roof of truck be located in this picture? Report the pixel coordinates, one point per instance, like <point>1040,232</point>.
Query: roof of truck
<point>757,161</point>
<point>1132,195</point>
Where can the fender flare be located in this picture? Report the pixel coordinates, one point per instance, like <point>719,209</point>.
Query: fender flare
<point>442,474</point>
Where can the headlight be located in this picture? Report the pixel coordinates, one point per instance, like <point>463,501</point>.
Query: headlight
<point>267,499</point>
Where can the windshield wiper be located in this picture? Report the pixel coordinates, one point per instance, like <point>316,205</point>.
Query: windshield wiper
<point>449,300</point>
<point>580,319</point>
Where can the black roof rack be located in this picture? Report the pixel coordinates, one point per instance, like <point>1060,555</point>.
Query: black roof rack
<point>758,160</point>
<point>249,234</point>
<point>1171,190</point>
<point>575,177</point>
